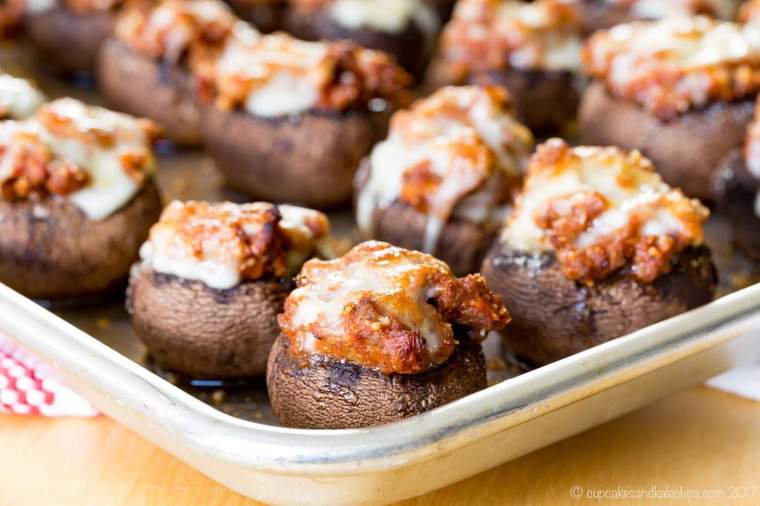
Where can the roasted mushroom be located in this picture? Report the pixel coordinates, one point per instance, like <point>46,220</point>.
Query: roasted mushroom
<point>68,33</point>
<point>443,180</point>
<point>291,120</point>
<point>681,91</point>
<point>146,68</point>
<point>532,49</point>
<point>76,199</point>
<point>212,279</point>
<point>378,335</point>
<point>736,191</point>
<point>600,14</point>
<point>596,248</point>
<point>406,29</point>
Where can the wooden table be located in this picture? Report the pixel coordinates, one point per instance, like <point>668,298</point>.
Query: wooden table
<point>699,440</point>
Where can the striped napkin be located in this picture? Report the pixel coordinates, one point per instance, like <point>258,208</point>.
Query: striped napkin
<point>30,387</point>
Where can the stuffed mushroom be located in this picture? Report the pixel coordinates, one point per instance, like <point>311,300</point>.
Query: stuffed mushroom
<point>736,191</point>
<point>290,121</point>
<point>68,33</point>
<point>76,199</point>
<point>381,334</point>
<point>598,246</point>
<point>443,180</point>
<point>147,67</point>
<point>532,49</point>
<point>406,29</point>
<point>600,14</point>
<point>212,279</point>
<point>682,91</point>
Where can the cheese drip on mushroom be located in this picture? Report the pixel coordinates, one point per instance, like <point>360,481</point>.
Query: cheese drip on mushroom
<point>112,150</point>
<point>453,154</point>
<point>224,244</point>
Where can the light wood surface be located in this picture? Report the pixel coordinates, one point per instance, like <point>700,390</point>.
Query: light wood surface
<point>698,440</point>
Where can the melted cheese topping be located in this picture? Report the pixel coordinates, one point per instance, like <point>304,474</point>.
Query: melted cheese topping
<point>18,97</point>
<point>389,16</point>
<point>113,149</point>
<point>386,308</point>
<point>224,244</point>
<point>673,65</point>
<point>284,75</point>
<point>171,28</point>
<point>486,35</point>
<point>602,197</point>
<point>661,9</point>
<point>454,153</point>
<point>277,75</point>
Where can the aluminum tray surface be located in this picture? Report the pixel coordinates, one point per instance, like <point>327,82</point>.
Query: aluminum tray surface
<point>251,455</point>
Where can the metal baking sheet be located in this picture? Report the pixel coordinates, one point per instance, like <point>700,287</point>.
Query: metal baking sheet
<point>228,432</point>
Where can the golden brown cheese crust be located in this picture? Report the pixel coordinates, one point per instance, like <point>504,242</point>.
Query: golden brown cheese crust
<point>673,66</point>
<point>173,29</point>
<point>253,239</point>
<point>386,308</point>
<point>594,230</point>
<point>489,35</point>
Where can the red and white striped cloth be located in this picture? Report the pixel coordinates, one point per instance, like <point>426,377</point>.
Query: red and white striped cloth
<point>30,387</point>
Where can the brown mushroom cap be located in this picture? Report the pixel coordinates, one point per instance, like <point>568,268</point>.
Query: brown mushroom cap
<point>265,16</point>
<point>462,244</point>
<point>410,47</point>
<point>545,100</point>
<point>309,159</point>
<point>686,151</point>
<point>143,87</point>
<point>554,317</point>
<point>68,41</point>
<point>735,191</point>
<point>51,250</point>
<point>601,15</point>
<point>203,332</point>
<point>331,394</point>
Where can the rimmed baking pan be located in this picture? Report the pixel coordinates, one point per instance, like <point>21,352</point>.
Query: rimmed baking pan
<point>408,458</point>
